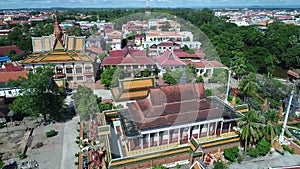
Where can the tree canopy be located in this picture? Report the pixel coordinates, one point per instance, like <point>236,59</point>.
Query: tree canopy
<point>85,102</point>
<point>40,95</point>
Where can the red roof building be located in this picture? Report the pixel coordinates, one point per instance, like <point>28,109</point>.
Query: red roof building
<point>129,59</point>
<point>7,76</point>
<point>171,60</point>
<point>4,49</point>
<point>9,67</point>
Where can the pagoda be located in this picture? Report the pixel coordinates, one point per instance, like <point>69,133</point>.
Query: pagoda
<point>66,52</point>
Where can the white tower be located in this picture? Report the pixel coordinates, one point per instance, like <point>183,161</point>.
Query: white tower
<point>148,9</point>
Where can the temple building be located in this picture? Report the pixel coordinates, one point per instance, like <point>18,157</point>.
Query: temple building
<point>66,52</point>
<point>159,129</point>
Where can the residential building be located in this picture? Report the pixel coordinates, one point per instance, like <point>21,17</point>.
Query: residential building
<point>169,60</point>
<point>130,60</point>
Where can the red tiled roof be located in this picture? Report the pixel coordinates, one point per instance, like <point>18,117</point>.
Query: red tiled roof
<point>293,73</point>
<point>129,60</point>
<point>2,23</point>
<point>9,67</point>
<point>112,60</point>
<point>4,49</point>
<point>95,49</point>
<point>17,22</point>
<point>168,44</point>
<point>119,57</point>
<point>169,59</point>
<point>175,104</point>
<point>204,63</point>
<point>7,76</point>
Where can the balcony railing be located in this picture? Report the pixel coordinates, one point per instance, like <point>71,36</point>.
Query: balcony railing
<point>151,149</point>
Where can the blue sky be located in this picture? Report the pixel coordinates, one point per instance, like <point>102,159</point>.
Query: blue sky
<point>4,4</point>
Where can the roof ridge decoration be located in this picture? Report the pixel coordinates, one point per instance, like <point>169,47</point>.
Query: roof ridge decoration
<point>57,29</point>
<point>58,45</point>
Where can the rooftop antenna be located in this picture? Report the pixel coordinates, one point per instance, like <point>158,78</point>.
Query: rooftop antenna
<point>148,9</point>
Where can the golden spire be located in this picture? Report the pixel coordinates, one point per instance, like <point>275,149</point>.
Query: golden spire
<point>57,29</point>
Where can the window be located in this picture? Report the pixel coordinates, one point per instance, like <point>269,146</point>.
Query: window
<point>59,70</point>
<point>89,78</point>
<point>79,70</point>
<point>70,78</point>
<point>79,78</point>
<point>69,70</point>
<point>88,69</point>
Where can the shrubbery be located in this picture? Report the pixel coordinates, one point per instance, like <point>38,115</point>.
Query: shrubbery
<point>286,148</point>
<point>51,133</point>
<point>22,156</point>
<point>263,148</point>
<point>232,154</point>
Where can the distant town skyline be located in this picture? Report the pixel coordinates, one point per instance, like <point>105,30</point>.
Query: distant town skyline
<point>14,4</point>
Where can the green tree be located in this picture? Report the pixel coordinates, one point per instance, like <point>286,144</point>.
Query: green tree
<point>263,147</point>
<point>39,96</point>
<point>250,128</point>
<point>190,71</point>
<point>232,154</point>
<point>111,75</point>
<point>208,92</point>
<point>199,79</point>
<point>10,53</point>
<point>291,58</point>
<point>271,128</point>
<point>247,86</point>
<point>86,102</point>
<point>220,165</point>
<point>1,162</point>
<point>169,79</point>
<point>219,76</point>
<point>101,56</point>
<point>239,67</point>
<point>107,75</point>
<point>146,73</point>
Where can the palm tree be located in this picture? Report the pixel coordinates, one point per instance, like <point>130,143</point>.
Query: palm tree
<point>239,67</point>
<point>247,86</point>
<point>250,128</point>
<point>271,127</point>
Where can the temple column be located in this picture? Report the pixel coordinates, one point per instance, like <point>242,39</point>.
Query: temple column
<point>189,133</point>
<point>179,135</point>
<point>129,145</point>
<point>142,142</point>
<point>157,138</point>
<point>168,136</point>
<point>229,128</point>
<point>207,134</point>
<point>216,126</point>
<point>149,140</point>
<point>221,128</point>
<point>199,131</point>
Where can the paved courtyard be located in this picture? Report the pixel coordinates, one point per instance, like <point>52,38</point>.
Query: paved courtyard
<point>58,151</point>
<point>275,160</point>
